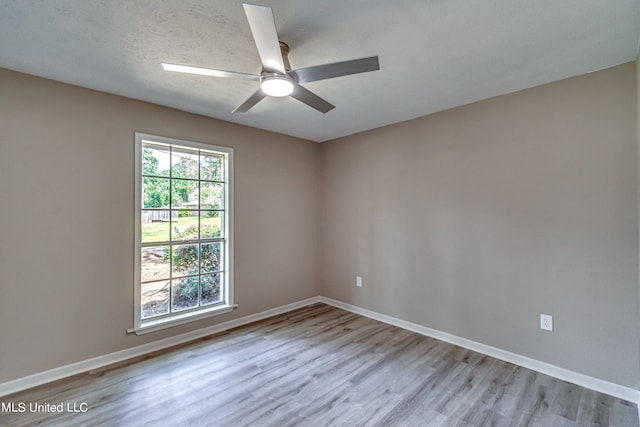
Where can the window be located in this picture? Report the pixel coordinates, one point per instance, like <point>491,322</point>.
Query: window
<point>183,232</point>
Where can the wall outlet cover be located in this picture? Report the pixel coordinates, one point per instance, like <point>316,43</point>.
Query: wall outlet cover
<point>546,322</point>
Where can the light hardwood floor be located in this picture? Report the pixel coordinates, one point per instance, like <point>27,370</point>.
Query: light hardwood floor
<point>320,366</point>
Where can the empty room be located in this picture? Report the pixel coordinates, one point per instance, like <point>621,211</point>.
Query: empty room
<point>319,213</point>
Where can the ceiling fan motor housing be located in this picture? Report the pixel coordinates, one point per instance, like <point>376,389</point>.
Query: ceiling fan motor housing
<point>274,83</point>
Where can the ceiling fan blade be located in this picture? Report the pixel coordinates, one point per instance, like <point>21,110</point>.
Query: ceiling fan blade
<point>209,72</point>
<point>336,69</point>
<point>253,100</point>
<point>311,99</point>
<point>263,28</point>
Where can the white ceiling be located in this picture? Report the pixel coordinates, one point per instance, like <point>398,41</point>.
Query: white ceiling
<point>434,54</point>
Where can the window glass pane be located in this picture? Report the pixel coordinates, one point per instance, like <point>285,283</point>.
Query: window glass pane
<point>184,194</point>
<point>182,238</point>
<point>155,192</point>
<point>184,293</point>
<point>184,260</point>
<point>184,163</point>
<point>210,257</point>
<point>155,159</point>
<point>211,196</point>
<point>211,291</point>
<point>154,226</point>
<point>184,225</point>
<point>155,263</point>
<point>211,167</point>
<point>155,298</point>
<point>211,225</point>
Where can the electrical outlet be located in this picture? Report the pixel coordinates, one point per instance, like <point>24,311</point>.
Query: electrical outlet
<point>546,322</point>
<point>359,281</point>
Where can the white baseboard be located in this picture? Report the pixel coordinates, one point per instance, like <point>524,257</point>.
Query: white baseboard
<point>44,377</point>
<point>129,353</point>
<point>583,380</point>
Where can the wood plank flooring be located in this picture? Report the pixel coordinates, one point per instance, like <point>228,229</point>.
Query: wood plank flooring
<point>319,366</point>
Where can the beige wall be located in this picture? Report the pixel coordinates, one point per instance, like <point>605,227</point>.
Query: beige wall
<point>638,156</point>
<point>475,220</point>
<point>66,219</point>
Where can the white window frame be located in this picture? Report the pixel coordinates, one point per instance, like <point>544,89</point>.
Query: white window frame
<point>142,326</point>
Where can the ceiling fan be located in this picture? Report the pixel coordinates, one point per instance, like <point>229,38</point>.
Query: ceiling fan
<point>277,78</point>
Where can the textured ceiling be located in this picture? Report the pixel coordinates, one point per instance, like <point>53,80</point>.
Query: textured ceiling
<point>434,54</point>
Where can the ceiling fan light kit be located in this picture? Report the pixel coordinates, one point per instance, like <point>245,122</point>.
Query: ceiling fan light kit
<point>278,85</point>
<point>276,78</point>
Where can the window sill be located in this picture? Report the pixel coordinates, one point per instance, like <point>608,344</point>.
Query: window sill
<point>180,319</point>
